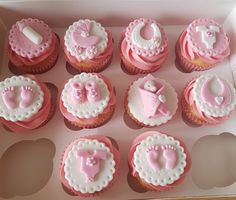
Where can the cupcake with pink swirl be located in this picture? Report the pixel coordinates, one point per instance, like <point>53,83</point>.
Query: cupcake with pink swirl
<point>201,46</point>
<point>159,162</point>
<point>88,46</point>
<point>208,99</point>
<point>90,166</point>
<point>33,46</point>
<point>143,47</point>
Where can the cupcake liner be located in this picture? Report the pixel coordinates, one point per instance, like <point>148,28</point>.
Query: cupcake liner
<point>186,65</point>
<point>42,66</point>
<point>101,120</point>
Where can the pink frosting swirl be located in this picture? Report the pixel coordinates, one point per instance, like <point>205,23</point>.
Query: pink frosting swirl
<point>188,97</point>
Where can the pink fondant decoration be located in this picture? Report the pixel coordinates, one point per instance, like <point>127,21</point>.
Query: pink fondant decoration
<point>153,155</point>
<point>27,96</point>
<point>93,91</point>
<point>194,37</point>
<point>170,156</point>
<point>90,163</point>
<point>78,93</point>
<point>147,33</point>
<point>9,97</point>
<point>81,36</point>
<point>216,100</point>
<point>22,46</point>
<point>154,102</point>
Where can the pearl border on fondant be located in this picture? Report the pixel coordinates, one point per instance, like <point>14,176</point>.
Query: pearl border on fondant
<point>204,107</point>
<point>96,29</point>
<point>86,109</point>
<point>76,178</point>
<point>20,114</point>
<point>164,176</point>
<point>135,103</point>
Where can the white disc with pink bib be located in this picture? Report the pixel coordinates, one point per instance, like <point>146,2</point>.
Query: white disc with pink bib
<point>85,39</point>
<point>20,98</point>
<point>89,166</point>
<point>159,159</point>
<point>213,95</point>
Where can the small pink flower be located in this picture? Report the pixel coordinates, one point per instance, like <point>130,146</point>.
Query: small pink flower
<point>91,161</point>
<point>91,52</point>
<point>210,34</point>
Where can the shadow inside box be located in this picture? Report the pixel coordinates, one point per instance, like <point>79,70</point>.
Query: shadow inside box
<point>54,92</point>
<point>214,162</point>
<point>26,167</point>
<point>129,122</point>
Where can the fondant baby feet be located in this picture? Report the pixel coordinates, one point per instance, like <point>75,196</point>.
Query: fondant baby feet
<point>8,96</point>
<point>152,155</point>
<point>27,96</point>
<point>78,93</point>
<point>169,153</point>
<point>93,91</point>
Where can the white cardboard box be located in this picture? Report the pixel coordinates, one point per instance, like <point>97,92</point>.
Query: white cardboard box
<point>115,15</point>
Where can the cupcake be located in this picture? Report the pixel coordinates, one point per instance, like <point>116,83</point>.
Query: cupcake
<point>143,47</point>
<point>201,46</point>
<point>87,100</point>
<point>90,166</point>
<point>33,46</point>
<point>208,99</point>
<point>158,162</point>
<point>150,101</point>
<point>88,46</point>
<point>25,103</point>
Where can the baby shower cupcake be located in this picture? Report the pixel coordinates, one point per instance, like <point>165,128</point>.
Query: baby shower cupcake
<point>143,47</point>
<point>88,46</point>
<point>201,46</point>
<point>208,99</point>
<point>150,101</point>
<point>25,103</point>
<point>159,162</point>
<point>33,46</point>
<point>90,166</point>
<point>87,100</point>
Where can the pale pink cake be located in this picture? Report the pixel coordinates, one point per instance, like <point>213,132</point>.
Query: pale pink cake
<point>25,103</point>
<point>158,161</point>
<point>143,46</point>
<point>33,46</point>
<point>88,46</point>
<point>90,166</point>
<point>202,45</point>
<point>208,99</point>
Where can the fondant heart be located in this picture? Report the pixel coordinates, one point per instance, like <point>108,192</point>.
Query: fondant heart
<point>219,100</point>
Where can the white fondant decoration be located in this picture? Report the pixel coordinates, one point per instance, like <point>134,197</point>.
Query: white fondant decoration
<point>204,106</point>
<point>208,35</point>
<point>96,30</point>
<point>219,100</point>
<point>162,98</point>
<point>32,35</point>
<point>87,109</point>
<point>138,40</point>
<point>135,103</point>
<point>20,113</point>
<point>163,176</point>
<point>150,86</point>
<point>76,178</point>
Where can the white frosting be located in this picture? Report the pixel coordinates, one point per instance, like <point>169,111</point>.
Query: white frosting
<point>76,178</point>
<point>86,109</point>
<point>136,106</point>
<point>20,113</point>
<point>96,30</point>
<point>204,106</point>
<point>138,40</point>
<point>163,176</point>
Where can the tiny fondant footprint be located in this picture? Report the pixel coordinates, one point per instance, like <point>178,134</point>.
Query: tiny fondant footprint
<point>9,97</point>
<point>27,96</point>
<point>152,155</point>
<point>169,153</point>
